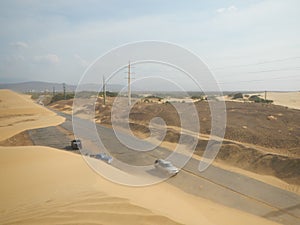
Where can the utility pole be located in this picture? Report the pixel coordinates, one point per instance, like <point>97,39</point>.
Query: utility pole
<point>265,95</point>
<point>64,88</point>
<point>129,90</point>
<point>104,91</point>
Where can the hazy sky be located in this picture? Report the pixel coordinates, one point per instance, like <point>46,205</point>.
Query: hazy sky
<point>249,45</point>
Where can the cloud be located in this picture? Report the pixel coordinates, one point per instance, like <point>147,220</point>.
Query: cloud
<point>221,10</point>
<point>15,58</point>
<point>49,58</point>
<point>19,44</point>
<point>231,8</point>
<point>82,62</point>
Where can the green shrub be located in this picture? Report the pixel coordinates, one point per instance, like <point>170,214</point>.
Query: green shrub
<point>196,97</point>
<point>111,94</point>
<point>35,95</point>
<point>153,96</point>
<point>237,95</point>
<point>60,96</point>
<point>257,99</point>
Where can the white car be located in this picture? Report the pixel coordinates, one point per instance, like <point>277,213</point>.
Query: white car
<point>166,166</point>
<point>103,156</point>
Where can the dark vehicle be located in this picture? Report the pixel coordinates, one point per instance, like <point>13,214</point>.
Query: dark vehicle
<point>166,167</point>
<point>76,144</point>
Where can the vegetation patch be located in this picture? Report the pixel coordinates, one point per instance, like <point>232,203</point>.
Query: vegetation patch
<point>257,99</point>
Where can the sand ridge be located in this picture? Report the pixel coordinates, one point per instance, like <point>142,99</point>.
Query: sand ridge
<point>287,99</point>
<point>19,113</point>
<point>34,193</point>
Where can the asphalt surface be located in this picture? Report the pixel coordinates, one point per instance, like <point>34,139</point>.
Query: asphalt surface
<point>216,184</point>
<point>50,136</point>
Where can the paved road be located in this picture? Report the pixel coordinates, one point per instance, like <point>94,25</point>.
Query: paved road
<point>50,136</point>
<point>221,186</point>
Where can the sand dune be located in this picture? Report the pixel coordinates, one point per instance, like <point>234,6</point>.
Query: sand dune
<point>49,186</point>
<point>288,99</point>
<point>19,113</point>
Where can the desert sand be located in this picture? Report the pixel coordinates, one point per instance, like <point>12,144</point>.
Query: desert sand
<point>288,99</point>
<point>19,113</point>
<point>42,185</point>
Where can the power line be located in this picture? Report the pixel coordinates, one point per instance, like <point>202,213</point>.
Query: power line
<point>258,63</point>
<point>274,70</point>
<point>268,71</point>
<point>258,71</point>
<point>260,80</point>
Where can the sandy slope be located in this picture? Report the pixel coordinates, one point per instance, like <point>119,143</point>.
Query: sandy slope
<point>19,113</point>
<point>48,186</point>
<point>288,99</point>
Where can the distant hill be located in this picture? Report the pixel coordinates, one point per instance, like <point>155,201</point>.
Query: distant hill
<point>39,86</point>
<point>36,86</point>
<point>97,87</point>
